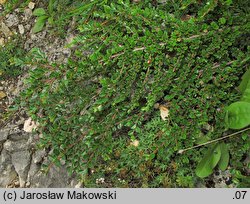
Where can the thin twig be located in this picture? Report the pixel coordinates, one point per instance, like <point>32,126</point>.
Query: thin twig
<point>212,141</point>
<point>161,44</point>
<point>218,65</point>
<point>116,55</point>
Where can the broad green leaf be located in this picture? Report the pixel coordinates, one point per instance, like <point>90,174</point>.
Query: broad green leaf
<point>40,22</point>
<point>246,94</point>
<point>223,163</point>
<point>238,115</point>
<point>244,83</point>
<point>209,161</point>
<point>39,12</point>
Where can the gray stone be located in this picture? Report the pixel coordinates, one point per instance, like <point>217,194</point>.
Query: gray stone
<point>31,5</point>
<point>34,169</point>
<point>27,27</point>
<point>76,185</point>
<point>3,135</point>
<point>27,14</point>
<point>27,184</point>
<point>57,177</point>
<point>16,146</point>
<point>14,129</point>
<point>21,29</point>
<point>21,162</point>
<point>5,30</point>
<point>1,44</point>
<point>12,20</point>
<point>20,121</point>
<point>5,159</point>
<point>38,156</point>
<point>220,178</point>
<point>7,171</point>
<point>7,176</point>
<point>221,184</point>
<point>35,165</point>
<point>19,136</point>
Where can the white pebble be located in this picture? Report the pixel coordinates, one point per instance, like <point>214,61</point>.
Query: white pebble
<point>21,29</point>
<point>31,5</point>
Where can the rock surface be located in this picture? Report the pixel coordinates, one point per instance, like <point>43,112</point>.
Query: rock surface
<point>20,161</point>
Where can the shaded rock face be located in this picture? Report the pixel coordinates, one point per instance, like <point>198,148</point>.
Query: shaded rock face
<point>20,161</point>
<point>7,171</point>
<point>57,177</point>
<point>3,135</point>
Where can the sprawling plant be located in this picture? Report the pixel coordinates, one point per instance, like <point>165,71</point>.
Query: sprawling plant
<point>98,112</point>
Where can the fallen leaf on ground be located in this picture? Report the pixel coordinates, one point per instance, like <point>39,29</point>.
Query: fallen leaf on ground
<point>135,143</point>
<point>164,112</point>
<point>2,94</point>
<point>31,5</point>
<point>2,1</point>
<point>29,125</point>
<point>1,41</point>
<point>5,30</point>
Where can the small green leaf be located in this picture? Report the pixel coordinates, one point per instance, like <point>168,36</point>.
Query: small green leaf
<point>244,83</point>
<point>223,163</point>
<point>16,61</point>
<point>51,6</point>
<point>107,9</point>
<point>37,54</point>
<point>40,22</point>
<point>50,20</point>
<point>222,21</point>
<point>238,115</point>
<point>39,12</point>
<point>209,161</point>
<point>102,101</point>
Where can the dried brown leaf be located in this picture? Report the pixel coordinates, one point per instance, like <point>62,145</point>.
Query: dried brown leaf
<point>2,1</point>
<point>29,125</point>
<point>2,94</point>
<point>164,112</point>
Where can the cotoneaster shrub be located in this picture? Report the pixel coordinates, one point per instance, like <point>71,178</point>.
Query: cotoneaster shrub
<point>11,55</point>
<point>98,113</point>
